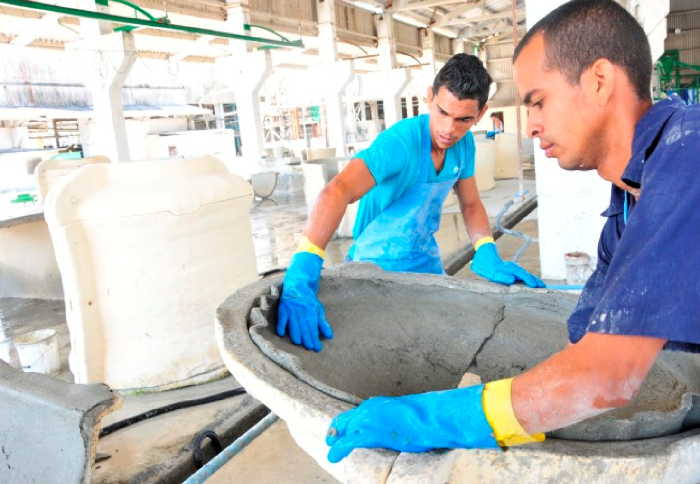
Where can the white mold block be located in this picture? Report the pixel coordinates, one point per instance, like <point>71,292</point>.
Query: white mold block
<point>147,250</point>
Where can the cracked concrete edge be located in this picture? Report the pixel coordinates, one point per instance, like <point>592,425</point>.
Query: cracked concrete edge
<point>667,460</point>
<point>60,407</point>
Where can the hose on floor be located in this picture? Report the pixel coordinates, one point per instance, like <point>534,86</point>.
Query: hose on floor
<point>169,408</point>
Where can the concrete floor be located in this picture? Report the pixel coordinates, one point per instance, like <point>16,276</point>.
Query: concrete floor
<point>272,458</point>
<point>276,225</point>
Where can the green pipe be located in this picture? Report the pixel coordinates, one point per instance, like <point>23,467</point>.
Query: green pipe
<point>137,8</point>
<point>78,12</point>
<point>262,27</point>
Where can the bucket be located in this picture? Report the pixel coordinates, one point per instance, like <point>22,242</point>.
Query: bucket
<point>38,351</point>
<point>578,267</point>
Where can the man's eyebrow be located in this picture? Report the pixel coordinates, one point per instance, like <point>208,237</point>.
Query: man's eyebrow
<point>444,111</point>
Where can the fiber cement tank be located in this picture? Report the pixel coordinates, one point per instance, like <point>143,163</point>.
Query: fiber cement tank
<point>400,333</point>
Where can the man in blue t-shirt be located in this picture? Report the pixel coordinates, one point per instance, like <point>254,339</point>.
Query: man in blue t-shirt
<point>584,73</point>
<point>402,180</point>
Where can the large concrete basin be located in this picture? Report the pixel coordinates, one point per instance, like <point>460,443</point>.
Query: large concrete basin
<point>406,333</point>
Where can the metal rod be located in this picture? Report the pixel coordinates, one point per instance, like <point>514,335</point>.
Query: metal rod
<point>78,12</point>
<point>461,257</point>
<point>210,468</point>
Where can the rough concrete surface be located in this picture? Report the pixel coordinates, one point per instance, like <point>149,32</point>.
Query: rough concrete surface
<point>48,429</point>
<point>387,341</point>
<point>397,338</point>
<point>308,409</point>
<point>159,450</point>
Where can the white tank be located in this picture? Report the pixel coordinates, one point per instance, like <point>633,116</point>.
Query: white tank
<point>49,172</point>
<point>147,250</point>
<point>507,157</point>
<point>485,164</point>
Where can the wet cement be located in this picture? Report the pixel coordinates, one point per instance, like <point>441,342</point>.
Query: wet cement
<point>393,338</point>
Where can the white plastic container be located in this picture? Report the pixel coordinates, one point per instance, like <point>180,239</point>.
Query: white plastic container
<point>485,164</point>
<point>578,267</point>
<point>38,351</point>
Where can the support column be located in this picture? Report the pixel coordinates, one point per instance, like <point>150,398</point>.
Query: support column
<point>248,69</point>
<point>338,76</point>
<point>397,79</point>
<point>110,56</point>
<point>386,44</point>
<point>428,51</point>
<point>376,122</point>
<point>397,82</point>
<point>219,116</point>
<point>458,46</point>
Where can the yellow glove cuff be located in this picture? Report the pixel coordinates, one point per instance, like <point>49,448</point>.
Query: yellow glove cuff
<point>496,400</point>
<point>305,245</point>
<point>482,241</point>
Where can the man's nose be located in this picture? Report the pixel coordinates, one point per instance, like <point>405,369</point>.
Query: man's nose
<point>534,129</point>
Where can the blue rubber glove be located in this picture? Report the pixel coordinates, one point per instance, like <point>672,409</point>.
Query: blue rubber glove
<point>300,313</point>
<point>446,419</point>
<point>488,264</point>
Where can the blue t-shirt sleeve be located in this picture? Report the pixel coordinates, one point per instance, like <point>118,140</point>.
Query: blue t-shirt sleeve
<point>387,156</point>
<point>467,158</point>
<point>651,287</point>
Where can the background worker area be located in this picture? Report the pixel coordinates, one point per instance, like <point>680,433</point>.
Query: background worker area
<point>402,180</point>
<point>589,104</point>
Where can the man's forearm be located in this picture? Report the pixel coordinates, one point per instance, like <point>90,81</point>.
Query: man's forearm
<point>600,373</point>
<point>476,220</point>
<point>326,215</point>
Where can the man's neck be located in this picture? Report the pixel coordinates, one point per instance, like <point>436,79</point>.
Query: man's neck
<point>618,138</point>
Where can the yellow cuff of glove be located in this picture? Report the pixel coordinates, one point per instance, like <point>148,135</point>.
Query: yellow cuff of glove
<point>482,241</point>
<point>305,245</point>
<point>498,409</point>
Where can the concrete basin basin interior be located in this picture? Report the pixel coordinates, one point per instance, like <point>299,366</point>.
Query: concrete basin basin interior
<point>397,337</point>
<point>405,333</point>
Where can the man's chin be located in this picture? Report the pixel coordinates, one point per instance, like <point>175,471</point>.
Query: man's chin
<point>569,165</point>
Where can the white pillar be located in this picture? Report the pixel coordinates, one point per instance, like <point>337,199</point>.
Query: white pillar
<point>249,75</point>
<point>248,70</point>
<point>428,51</point>
<point>109,57</point>
<point>219,116</point>
<point>458,45</point>
<point>397,81</point>
<point>386,45</point>
<point>337,76</point>
<point>328,46</point>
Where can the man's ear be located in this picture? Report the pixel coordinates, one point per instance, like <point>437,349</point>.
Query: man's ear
<point>598,81</point>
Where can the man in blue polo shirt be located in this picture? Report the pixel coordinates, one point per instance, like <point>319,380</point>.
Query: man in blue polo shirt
<point>584,73</point>
<point>402,180</point>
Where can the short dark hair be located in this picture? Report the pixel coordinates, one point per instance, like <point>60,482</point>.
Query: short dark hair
<point>580,32</point>
<point>465,77</point>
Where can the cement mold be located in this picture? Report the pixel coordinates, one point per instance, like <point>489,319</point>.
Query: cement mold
<point>49,429</point>
<point>303,389</point>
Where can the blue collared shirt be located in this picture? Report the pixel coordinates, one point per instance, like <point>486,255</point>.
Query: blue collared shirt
<point>647,281</point>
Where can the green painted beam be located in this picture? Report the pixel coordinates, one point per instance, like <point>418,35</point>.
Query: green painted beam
<point>138,22</point>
